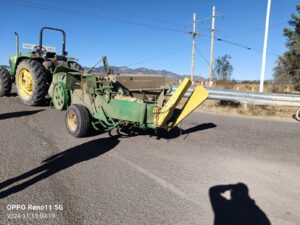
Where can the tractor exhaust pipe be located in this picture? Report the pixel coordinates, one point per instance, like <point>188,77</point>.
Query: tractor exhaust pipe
<point>17,43</point>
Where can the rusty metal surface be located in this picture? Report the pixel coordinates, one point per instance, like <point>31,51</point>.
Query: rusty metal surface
<point>141,82</point>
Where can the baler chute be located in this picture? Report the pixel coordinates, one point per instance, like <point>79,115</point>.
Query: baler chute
<point>165,118</point>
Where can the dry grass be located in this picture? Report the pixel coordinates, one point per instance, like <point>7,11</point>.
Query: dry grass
<point>268,87</point>
<point>247,109</point>
<point>251,86</point>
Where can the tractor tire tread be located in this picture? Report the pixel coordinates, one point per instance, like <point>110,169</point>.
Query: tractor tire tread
<point>40,78</point>
<point>5,82</point>
<point>83,120</point>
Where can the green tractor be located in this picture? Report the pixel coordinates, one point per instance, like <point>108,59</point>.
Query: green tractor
<point>106,101</point>
<point>32,71</point>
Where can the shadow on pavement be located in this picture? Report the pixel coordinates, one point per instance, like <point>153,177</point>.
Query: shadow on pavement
<point>176,132</point>
<point>238,209</point>
<point>12,115</point>
<point>199,127</point>
<point>81,153</point>
<point>58,162</point>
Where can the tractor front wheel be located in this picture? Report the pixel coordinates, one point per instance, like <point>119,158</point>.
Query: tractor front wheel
<point>5,82</point>
<point>31,82</point>
<point>78,120</point>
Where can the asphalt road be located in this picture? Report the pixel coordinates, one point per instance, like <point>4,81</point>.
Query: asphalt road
<point>144,179</point>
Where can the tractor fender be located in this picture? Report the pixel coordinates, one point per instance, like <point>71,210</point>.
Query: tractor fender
<point>20,59</point>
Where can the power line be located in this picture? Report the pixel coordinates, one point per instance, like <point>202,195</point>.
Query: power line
<point>256,48</point>
<point>246,47</point>
<point>252,31</point>
<point>107,9</point>
<point>201,55</point>
<point>233,36</point>
<point>241,46</point>
<point>203,19</point>
<point>51,8</point>
<point>268,52</point>
<point>245,42</point>
<point>101,17</point>
<point>233,43</point>
<point>90,15</point>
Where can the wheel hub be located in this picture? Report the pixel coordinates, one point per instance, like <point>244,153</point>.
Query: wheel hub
<point>59,97</point>
<point>25,82</point>
<point>72,121</point>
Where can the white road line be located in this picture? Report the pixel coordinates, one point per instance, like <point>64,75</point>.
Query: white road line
<point>157,180</point>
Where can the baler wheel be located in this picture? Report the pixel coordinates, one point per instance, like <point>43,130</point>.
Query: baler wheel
<point>78,120</point>
<point>60,96</point>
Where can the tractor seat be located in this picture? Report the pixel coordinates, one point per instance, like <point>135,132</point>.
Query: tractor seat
<point>60,58</point>
<point>50,55</point>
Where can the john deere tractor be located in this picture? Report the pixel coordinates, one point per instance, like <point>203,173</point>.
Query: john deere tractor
<point>32,71</point>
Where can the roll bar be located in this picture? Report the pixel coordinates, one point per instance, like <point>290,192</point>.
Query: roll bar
<point>55,29</point>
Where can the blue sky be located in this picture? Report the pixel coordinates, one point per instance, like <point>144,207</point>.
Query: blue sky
<point>151,33</point>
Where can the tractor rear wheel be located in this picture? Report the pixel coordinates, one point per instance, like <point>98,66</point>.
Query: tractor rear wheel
<point>5,82</point>
<point>31,82</point>
<point>78,120</point>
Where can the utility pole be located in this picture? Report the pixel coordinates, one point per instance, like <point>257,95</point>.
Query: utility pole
<point>194,35</point>
<point>212,46</point>
<point>263,64</point>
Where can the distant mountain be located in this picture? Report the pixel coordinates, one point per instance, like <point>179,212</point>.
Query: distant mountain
<point>144,71</point>
<point>140,71</point>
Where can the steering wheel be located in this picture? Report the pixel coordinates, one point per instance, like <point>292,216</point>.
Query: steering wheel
<point>42,50</point>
